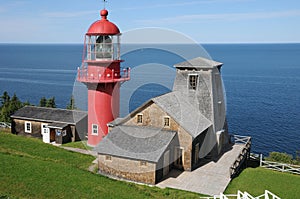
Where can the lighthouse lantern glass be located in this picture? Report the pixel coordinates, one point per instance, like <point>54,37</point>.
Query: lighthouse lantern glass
<point>102,47</point>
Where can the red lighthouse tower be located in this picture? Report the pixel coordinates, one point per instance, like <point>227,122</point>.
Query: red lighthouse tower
<point>101,73</point>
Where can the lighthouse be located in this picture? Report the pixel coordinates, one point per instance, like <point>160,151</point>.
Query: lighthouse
<point>101,73</point>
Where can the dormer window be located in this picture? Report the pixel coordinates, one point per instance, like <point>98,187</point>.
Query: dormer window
<point>193,79</point>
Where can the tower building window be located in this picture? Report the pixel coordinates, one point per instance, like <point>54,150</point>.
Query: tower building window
<point>193,79</point>
<point>139,118</point>
<point>166,121</point>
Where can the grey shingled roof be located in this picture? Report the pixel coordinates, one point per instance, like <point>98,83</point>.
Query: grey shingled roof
<point>136,142</point>
<point>184,113</point>
<point>49,115</point>
<point>198,62</point>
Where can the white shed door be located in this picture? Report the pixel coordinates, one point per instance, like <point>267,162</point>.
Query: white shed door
<point>45,133</point>
<point>166,162</point>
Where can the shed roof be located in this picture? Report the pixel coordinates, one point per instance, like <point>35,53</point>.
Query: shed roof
<point>53,115</point>
<point>136,142</point>
<point>198,63</point>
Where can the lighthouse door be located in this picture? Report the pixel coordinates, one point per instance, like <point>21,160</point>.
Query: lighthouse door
<point>45,133</point>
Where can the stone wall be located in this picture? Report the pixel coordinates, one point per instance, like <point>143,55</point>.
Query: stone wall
<point>153,116</point>
<point>185,142</point>
<point>128,169</point>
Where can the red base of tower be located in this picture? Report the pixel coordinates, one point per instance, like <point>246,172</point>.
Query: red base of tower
<point>103,107</point>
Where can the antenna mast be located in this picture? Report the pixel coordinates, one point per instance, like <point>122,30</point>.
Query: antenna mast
<point>104,3</point>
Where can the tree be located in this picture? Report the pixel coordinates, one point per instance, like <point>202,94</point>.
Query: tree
<point>5,98</point>
<point>15,103</point>
<point>27,103</point>
<point>71,105</point>
<point>9,105</point>
<point>51,103</point>
<point>43,102</point>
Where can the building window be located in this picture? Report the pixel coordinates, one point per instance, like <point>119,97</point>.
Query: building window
<point>143,163</point>
<point>166,121</point>
<point>193,79</point>
<point>107,157</point>
<point>94,129</point>
<point>139,118</point>
<point>27,127</point>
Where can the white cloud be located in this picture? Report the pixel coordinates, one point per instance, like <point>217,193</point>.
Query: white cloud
<point>221,17</point>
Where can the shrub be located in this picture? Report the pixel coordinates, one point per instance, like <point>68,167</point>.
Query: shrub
<point>280,157</point>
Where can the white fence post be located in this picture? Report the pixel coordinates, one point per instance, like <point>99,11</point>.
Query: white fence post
<point>260,160</point>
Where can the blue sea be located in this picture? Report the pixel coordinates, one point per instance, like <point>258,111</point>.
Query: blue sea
<point>262,84</point>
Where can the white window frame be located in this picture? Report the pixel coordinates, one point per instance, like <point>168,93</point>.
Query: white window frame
<point>97,129</point>
<point>30,127</point>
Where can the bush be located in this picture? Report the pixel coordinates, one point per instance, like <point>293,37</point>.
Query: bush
<point>280,157</point>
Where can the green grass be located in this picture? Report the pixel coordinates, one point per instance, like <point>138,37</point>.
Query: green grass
<point>78,144</point>
<point>32,169</point>
<point>256,181</point>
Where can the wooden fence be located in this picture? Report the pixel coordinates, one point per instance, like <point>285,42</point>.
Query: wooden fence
<point>283,167</point>
<point>244,195</point>
<point>5,125</point>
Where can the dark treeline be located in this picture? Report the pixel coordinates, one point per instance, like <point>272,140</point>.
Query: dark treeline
<point>10,104</point>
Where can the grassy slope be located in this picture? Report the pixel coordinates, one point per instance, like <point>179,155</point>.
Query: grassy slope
<point>32,169</point>
<point>78,144</point>
<point>256,181</point>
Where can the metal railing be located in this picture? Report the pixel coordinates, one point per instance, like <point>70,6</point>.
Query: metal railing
<point>106,76</point>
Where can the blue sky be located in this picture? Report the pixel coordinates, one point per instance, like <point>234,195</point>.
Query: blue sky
<point>206,21</point>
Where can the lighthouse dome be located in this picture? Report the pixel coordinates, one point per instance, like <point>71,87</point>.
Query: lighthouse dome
<point>103,26</point>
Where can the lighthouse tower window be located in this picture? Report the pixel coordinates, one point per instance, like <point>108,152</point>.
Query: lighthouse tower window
<point>94,129</point>
<point>193,79</point>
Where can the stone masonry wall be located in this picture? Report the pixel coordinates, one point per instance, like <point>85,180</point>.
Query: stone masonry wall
<point>153,116</point>
<point>128,169</point>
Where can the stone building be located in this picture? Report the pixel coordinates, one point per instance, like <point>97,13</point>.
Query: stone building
<point>173,131</point>
<point>50,124</point>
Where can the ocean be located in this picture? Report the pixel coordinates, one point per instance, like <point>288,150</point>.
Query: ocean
<point>262,83</point>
